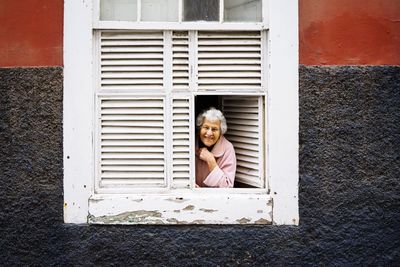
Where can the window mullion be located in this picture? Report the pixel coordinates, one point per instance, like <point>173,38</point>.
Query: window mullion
<point>221,11</point>
<point>180,10</point>
<point>264,61</point>
<point>139,10</point>
<point>193,66</point>
<point>168,54</point>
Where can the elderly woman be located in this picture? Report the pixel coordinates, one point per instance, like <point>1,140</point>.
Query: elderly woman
<point>215,156</point>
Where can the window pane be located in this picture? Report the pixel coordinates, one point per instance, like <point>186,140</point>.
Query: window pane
<point>207,10</point>
<point>159,10</point>
<point>242,10</point>
<point>118,10</point>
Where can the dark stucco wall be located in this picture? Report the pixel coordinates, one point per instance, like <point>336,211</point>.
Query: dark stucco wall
<point>349,184</point>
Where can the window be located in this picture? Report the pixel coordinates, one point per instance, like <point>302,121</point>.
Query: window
<point>133,86</point>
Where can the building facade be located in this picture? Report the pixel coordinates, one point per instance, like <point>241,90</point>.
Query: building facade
<point>349,142</point>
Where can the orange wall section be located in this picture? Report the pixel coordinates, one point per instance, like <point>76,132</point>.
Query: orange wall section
<point>331,32</point>
<point>31,33</point>
<point>349,32</point>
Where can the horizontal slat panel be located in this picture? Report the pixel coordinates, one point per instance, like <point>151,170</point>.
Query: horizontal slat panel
<point>132,148</point>
<point>180,143</point>
<point>229,61</point>
<point>132,60</point>
<point>180,61</point>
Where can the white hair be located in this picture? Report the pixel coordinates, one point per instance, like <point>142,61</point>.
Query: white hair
<point>212,114</point>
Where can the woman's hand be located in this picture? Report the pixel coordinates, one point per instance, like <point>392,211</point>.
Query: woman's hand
<point>208,157</point>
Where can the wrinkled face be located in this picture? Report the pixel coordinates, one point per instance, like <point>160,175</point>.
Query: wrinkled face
<point>210,131</point>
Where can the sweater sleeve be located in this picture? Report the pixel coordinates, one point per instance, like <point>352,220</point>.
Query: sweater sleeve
<point>224,174</point>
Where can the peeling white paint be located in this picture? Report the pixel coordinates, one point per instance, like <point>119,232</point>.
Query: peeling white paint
<point>196,209</point>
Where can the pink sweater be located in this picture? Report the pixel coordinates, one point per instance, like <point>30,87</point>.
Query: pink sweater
<point>224,174</point>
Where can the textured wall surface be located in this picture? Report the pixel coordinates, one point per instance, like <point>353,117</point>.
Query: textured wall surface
<point>349,184</point>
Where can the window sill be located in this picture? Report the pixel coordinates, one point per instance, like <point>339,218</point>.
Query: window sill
<point>181,208</point>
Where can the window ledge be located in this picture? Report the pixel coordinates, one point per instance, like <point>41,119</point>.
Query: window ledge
<point>173,208</point>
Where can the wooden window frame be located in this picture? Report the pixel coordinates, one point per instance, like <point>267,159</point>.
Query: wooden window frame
<point>182,206</point>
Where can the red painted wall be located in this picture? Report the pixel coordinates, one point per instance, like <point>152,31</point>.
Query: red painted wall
<point>31,33</point>
<point>332,32</point>
<point>349,32</point>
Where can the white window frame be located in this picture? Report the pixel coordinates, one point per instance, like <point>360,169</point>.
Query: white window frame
<point>183,206</point>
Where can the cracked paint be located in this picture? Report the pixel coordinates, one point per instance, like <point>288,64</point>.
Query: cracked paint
<point>262,221</point>
<point>208,210</point>
<point>138,216</point>
<point>189,207</point>
<point>243,220</point>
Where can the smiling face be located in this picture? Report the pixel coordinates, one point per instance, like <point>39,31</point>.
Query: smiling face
<point>210,131</point>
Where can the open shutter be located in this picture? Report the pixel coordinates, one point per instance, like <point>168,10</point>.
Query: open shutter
<point>131,142</point>
<point>244,115</point>
<point>229,61</point>
<point>131,60</point>
<point>181,132</point>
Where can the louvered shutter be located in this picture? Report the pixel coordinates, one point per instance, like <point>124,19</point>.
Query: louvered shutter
<point>180,60</point>
<point>181,138</point>
<point>244,115</point>
<point>229,61</point>
<point>131,60</point>
<point>132,150</point>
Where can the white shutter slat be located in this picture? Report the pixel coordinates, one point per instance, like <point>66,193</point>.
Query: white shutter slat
<point>180,61</point>
<point>144,55</point>
<point>132,146</point>
<point>181,142</point>
<point>117,68</point>
<point>127,35</point>
<point>116,182</point>
<point>118,136</point>
<point>155,163</point>
<point>130,75</point>
<point>243,114</point>
<point>229,61</point>
<point>132,60</point>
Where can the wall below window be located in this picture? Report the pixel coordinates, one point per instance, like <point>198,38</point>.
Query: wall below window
<point>349,184</point>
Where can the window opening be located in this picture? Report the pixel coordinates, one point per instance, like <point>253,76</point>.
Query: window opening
<point>245,119</point>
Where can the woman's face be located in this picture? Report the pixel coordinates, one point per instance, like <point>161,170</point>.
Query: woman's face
<point>210,131</point>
